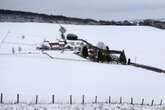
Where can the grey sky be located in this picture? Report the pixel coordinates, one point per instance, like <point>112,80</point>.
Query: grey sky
<point>98,9</point>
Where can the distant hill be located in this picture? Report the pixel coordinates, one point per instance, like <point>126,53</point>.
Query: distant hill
<point>21,16</point>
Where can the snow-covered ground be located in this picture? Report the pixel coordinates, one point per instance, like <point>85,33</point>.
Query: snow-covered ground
<point>80,107</point>
<point>30,72</point>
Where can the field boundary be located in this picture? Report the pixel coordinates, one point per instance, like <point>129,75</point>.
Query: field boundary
<point>70,100</point>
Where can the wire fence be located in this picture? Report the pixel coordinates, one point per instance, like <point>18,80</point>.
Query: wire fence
<point>83,100</point>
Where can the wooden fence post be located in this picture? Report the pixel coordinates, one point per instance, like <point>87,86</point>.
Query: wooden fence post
<point>1,98</point>
<point>109,100</point>
<point>95,99</point>
<point>70,99</point>
<point>53,99</point>
<point>152,103</point>
<point>120,100</point>
<point>36,99</point>
<point>142,101</point>
<point>83,99</point>
<point>17,98</point>
<point>161,102</point>
<point>132,101</point>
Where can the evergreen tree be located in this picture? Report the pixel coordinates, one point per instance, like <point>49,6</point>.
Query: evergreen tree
<point>129,61</point>
<point>100,56</point>
<point>122,58</point>
<point>84,52</point>
<point>107,55</point>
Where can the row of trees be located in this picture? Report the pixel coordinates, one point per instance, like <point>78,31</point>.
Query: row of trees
<point>100,55</point>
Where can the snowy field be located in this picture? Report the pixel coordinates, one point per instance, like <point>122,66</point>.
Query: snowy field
<point>80,107</point>
<point>30,72</point>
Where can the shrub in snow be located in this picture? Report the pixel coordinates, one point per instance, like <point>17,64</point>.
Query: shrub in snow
<point>101,45</point>
<point>13,51</point>
<point>19,49</point>
<point>23,37</point>
<point>104,56</point>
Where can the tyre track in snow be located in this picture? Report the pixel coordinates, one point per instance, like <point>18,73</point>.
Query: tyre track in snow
<point>66,59</point>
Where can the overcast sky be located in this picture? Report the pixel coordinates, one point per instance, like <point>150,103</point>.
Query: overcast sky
<point>98,9</point>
